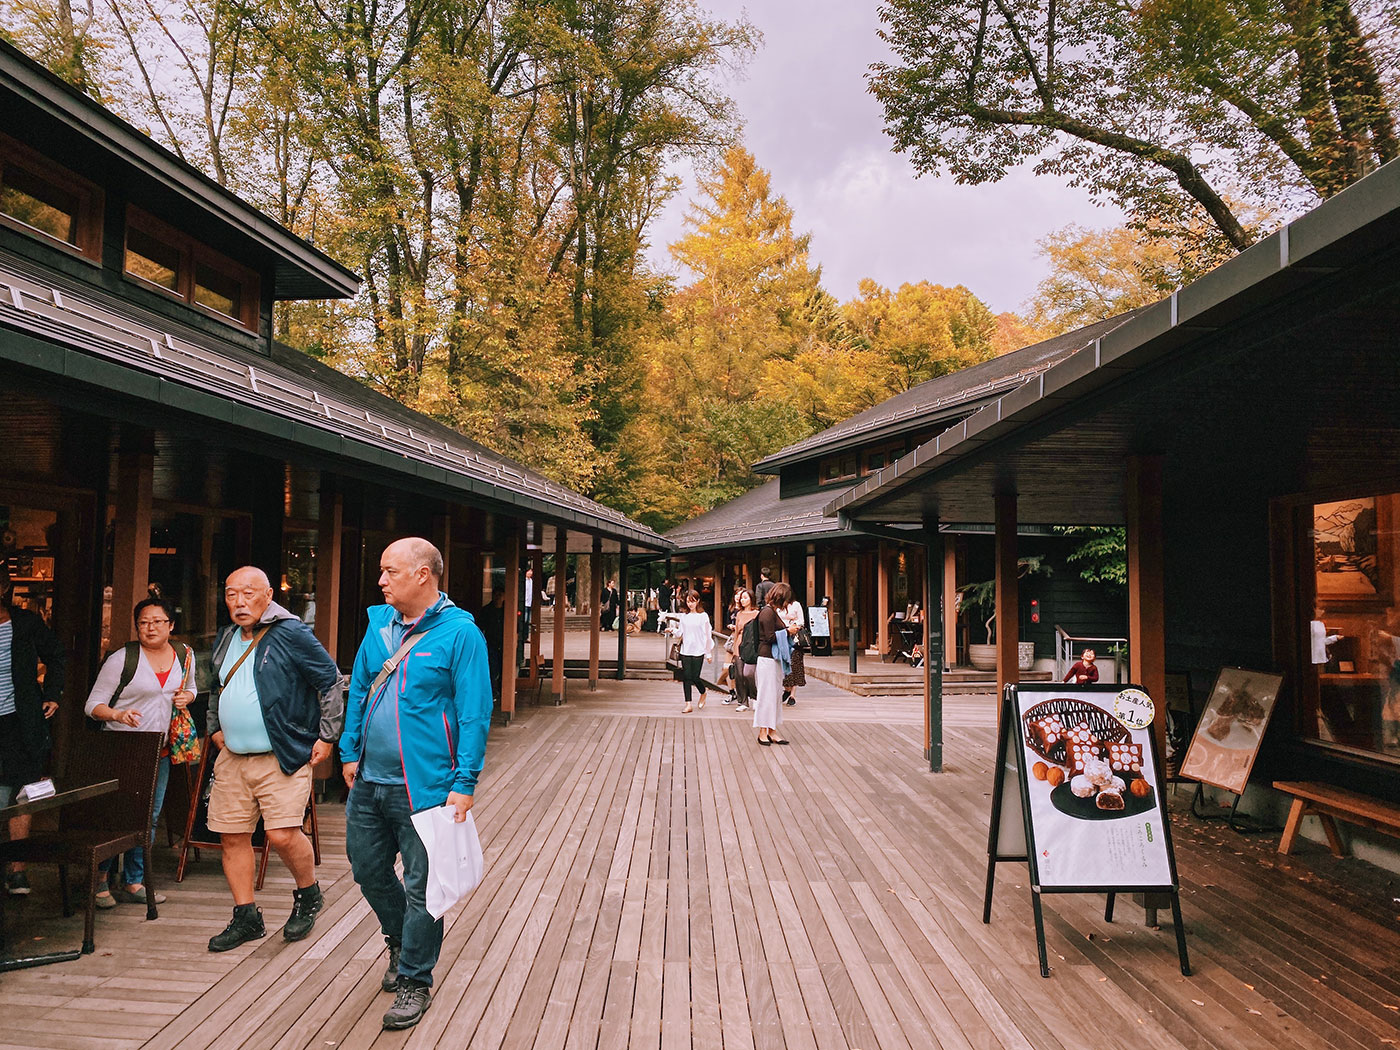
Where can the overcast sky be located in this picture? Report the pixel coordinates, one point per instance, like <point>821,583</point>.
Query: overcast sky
<point>810,121</point>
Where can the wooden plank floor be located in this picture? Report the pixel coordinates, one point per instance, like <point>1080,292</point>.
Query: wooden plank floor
<point>660,881</point>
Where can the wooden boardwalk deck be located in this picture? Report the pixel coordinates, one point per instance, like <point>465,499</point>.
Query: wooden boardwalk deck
<point>659,881</point>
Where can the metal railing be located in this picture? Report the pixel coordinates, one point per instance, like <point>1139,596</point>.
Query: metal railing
<point>1111,653</point>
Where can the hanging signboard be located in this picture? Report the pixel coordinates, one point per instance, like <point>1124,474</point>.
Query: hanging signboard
<point>1231,728</point>
<point>1080,762</point>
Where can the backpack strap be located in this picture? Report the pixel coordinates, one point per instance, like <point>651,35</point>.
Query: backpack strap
<point>130,662</point>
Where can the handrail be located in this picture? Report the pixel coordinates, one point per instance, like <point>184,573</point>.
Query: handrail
<point>1066,644</point>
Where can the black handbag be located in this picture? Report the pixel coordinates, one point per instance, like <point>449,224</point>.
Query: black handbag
<point>804,640</point>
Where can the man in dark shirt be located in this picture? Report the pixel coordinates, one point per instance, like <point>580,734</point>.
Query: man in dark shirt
<point>765,584</point>
<point>26,706</point>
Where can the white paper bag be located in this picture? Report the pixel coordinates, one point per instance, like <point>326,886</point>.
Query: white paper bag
<point>455,863</point>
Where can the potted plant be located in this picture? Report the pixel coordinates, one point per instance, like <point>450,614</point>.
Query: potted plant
<point>980,598</point>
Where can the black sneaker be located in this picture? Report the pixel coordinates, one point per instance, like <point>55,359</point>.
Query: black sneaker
<point>247,925</point>
<point>306,905</point>
<point>411,1002</point>
<point>390,980</point>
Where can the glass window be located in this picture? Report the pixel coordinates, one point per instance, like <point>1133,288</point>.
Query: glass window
<point>1353,634</point>
<point>218,291</point>
<point>152,259</point>
<point>37,202</point>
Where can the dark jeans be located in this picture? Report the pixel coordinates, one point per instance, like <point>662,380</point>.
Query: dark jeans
<point>378,827</point>
<point>690,674</point>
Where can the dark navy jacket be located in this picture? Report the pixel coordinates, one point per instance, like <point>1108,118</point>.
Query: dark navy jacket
<point>31,643</point>
<point>298,687</point>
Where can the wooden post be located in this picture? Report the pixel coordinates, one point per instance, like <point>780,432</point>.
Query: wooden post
<point>561,576</point>
<point>329,521</point>
<point>622,634</point>
<point>595,599</point>
<point>1007,597</point>
<point>829,581</point>
<point>535,630</point>
<point>1147,660</point>
<point>471,581</point>
<point>934,641</point>
<point>811,579</point>
<point>950,599</point>
<point>131,550</point>
<point>510,641</point>
<point>442,540</point>
<point>882,599</point>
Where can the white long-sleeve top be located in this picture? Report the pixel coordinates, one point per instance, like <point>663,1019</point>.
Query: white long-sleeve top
<point>1320,641</point>
<point>794,615</point>
<point>696,633</point>
<point>143,693</point>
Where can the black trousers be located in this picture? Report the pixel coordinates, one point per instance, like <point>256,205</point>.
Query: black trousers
<point>690,674</point>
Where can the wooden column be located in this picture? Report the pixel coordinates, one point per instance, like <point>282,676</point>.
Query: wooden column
<point>829,580</point>
<point>535,630</point>
<point>882,599</point>
<point>329,521</point>
<point>622,634</point>
<point>811,579</point>
<point>442,540</point>
<point>510,642</point>
<point>934,641</point>
<point>131,550</point>
<point>471,580</point>
<point>561,576</point>
<point>1147,661</point>
<point>595,599</point>
<point>950,598</point>
<point>1007,598</point>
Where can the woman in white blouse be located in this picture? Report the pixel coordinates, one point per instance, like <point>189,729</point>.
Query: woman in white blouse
<point>163,681</point>
<point>795,618</point>
<point>697,639</point>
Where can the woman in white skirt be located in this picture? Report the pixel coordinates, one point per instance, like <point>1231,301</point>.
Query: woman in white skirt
<point>768,708</point>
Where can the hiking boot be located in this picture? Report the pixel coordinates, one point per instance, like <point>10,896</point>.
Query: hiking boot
<point>17,884</point>
<point>247,925</point>
<point>306,905</point>
<point>411,1002</point>
<point>390,980</point>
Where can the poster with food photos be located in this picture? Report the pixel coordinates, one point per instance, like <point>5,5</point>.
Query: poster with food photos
<point>1092,788</point>
<point>1231,728</point>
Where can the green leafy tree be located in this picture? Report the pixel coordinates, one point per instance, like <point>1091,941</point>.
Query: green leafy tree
<point>1171,109</point>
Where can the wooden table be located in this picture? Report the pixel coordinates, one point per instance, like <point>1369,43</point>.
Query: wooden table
<point>63,797</point>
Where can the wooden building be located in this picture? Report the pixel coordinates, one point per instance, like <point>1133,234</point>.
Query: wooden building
<point>872,571</point>
<point>1246,431</point>
<point>156,435</point>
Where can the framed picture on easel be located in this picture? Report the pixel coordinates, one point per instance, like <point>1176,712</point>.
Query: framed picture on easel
<point>1227,738</point>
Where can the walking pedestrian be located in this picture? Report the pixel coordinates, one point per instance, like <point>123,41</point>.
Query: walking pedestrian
<point>415,738</point>
<point>745,663</point>
<point>765,586</point>
<point>795,618</point>
<point>774,642</point>
<point>139,689</point>
<point>697,639</point>
<point>275,712</point>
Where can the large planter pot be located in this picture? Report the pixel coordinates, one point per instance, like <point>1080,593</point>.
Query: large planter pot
<point>1025,655</point>
<point>982,657</point>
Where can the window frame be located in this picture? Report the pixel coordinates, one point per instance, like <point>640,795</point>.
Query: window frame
<point>91,200</point>
<point>194,253</point>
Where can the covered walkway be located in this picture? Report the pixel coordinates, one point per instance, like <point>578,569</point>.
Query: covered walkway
<point>661,881</point>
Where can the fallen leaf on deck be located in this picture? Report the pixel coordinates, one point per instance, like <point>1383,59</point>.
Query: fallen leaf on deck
<point>1198,1002</point>
<point>1254,1011</point>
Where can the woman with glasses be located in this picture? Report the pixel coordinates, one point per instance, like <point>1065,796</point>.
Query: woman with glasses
<point>138,690</point>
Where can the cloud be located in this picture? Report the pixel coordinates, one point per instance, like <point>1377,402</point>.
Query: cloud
<point>811,122</point>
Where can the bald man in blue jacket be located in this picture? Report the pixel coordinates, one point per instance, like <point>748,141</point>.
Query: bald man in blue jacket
<point>414,740</point>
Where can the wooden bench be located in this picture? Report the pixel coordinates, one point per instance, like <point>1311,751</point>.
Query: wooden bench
<point>1331,804</point>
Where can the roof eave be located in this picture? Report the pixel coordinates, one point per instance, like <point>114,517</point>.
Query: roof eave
<point>1316,244</point>
<point>42,89</point>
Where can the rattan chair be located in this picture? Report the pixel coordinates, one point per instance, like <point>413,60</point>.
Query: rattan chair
<point>100,828</point>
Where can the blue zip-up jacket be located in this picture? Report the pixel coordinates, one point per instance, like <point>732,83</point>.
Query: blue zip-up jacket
<point>441,692</point>
<point>298,687</point>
